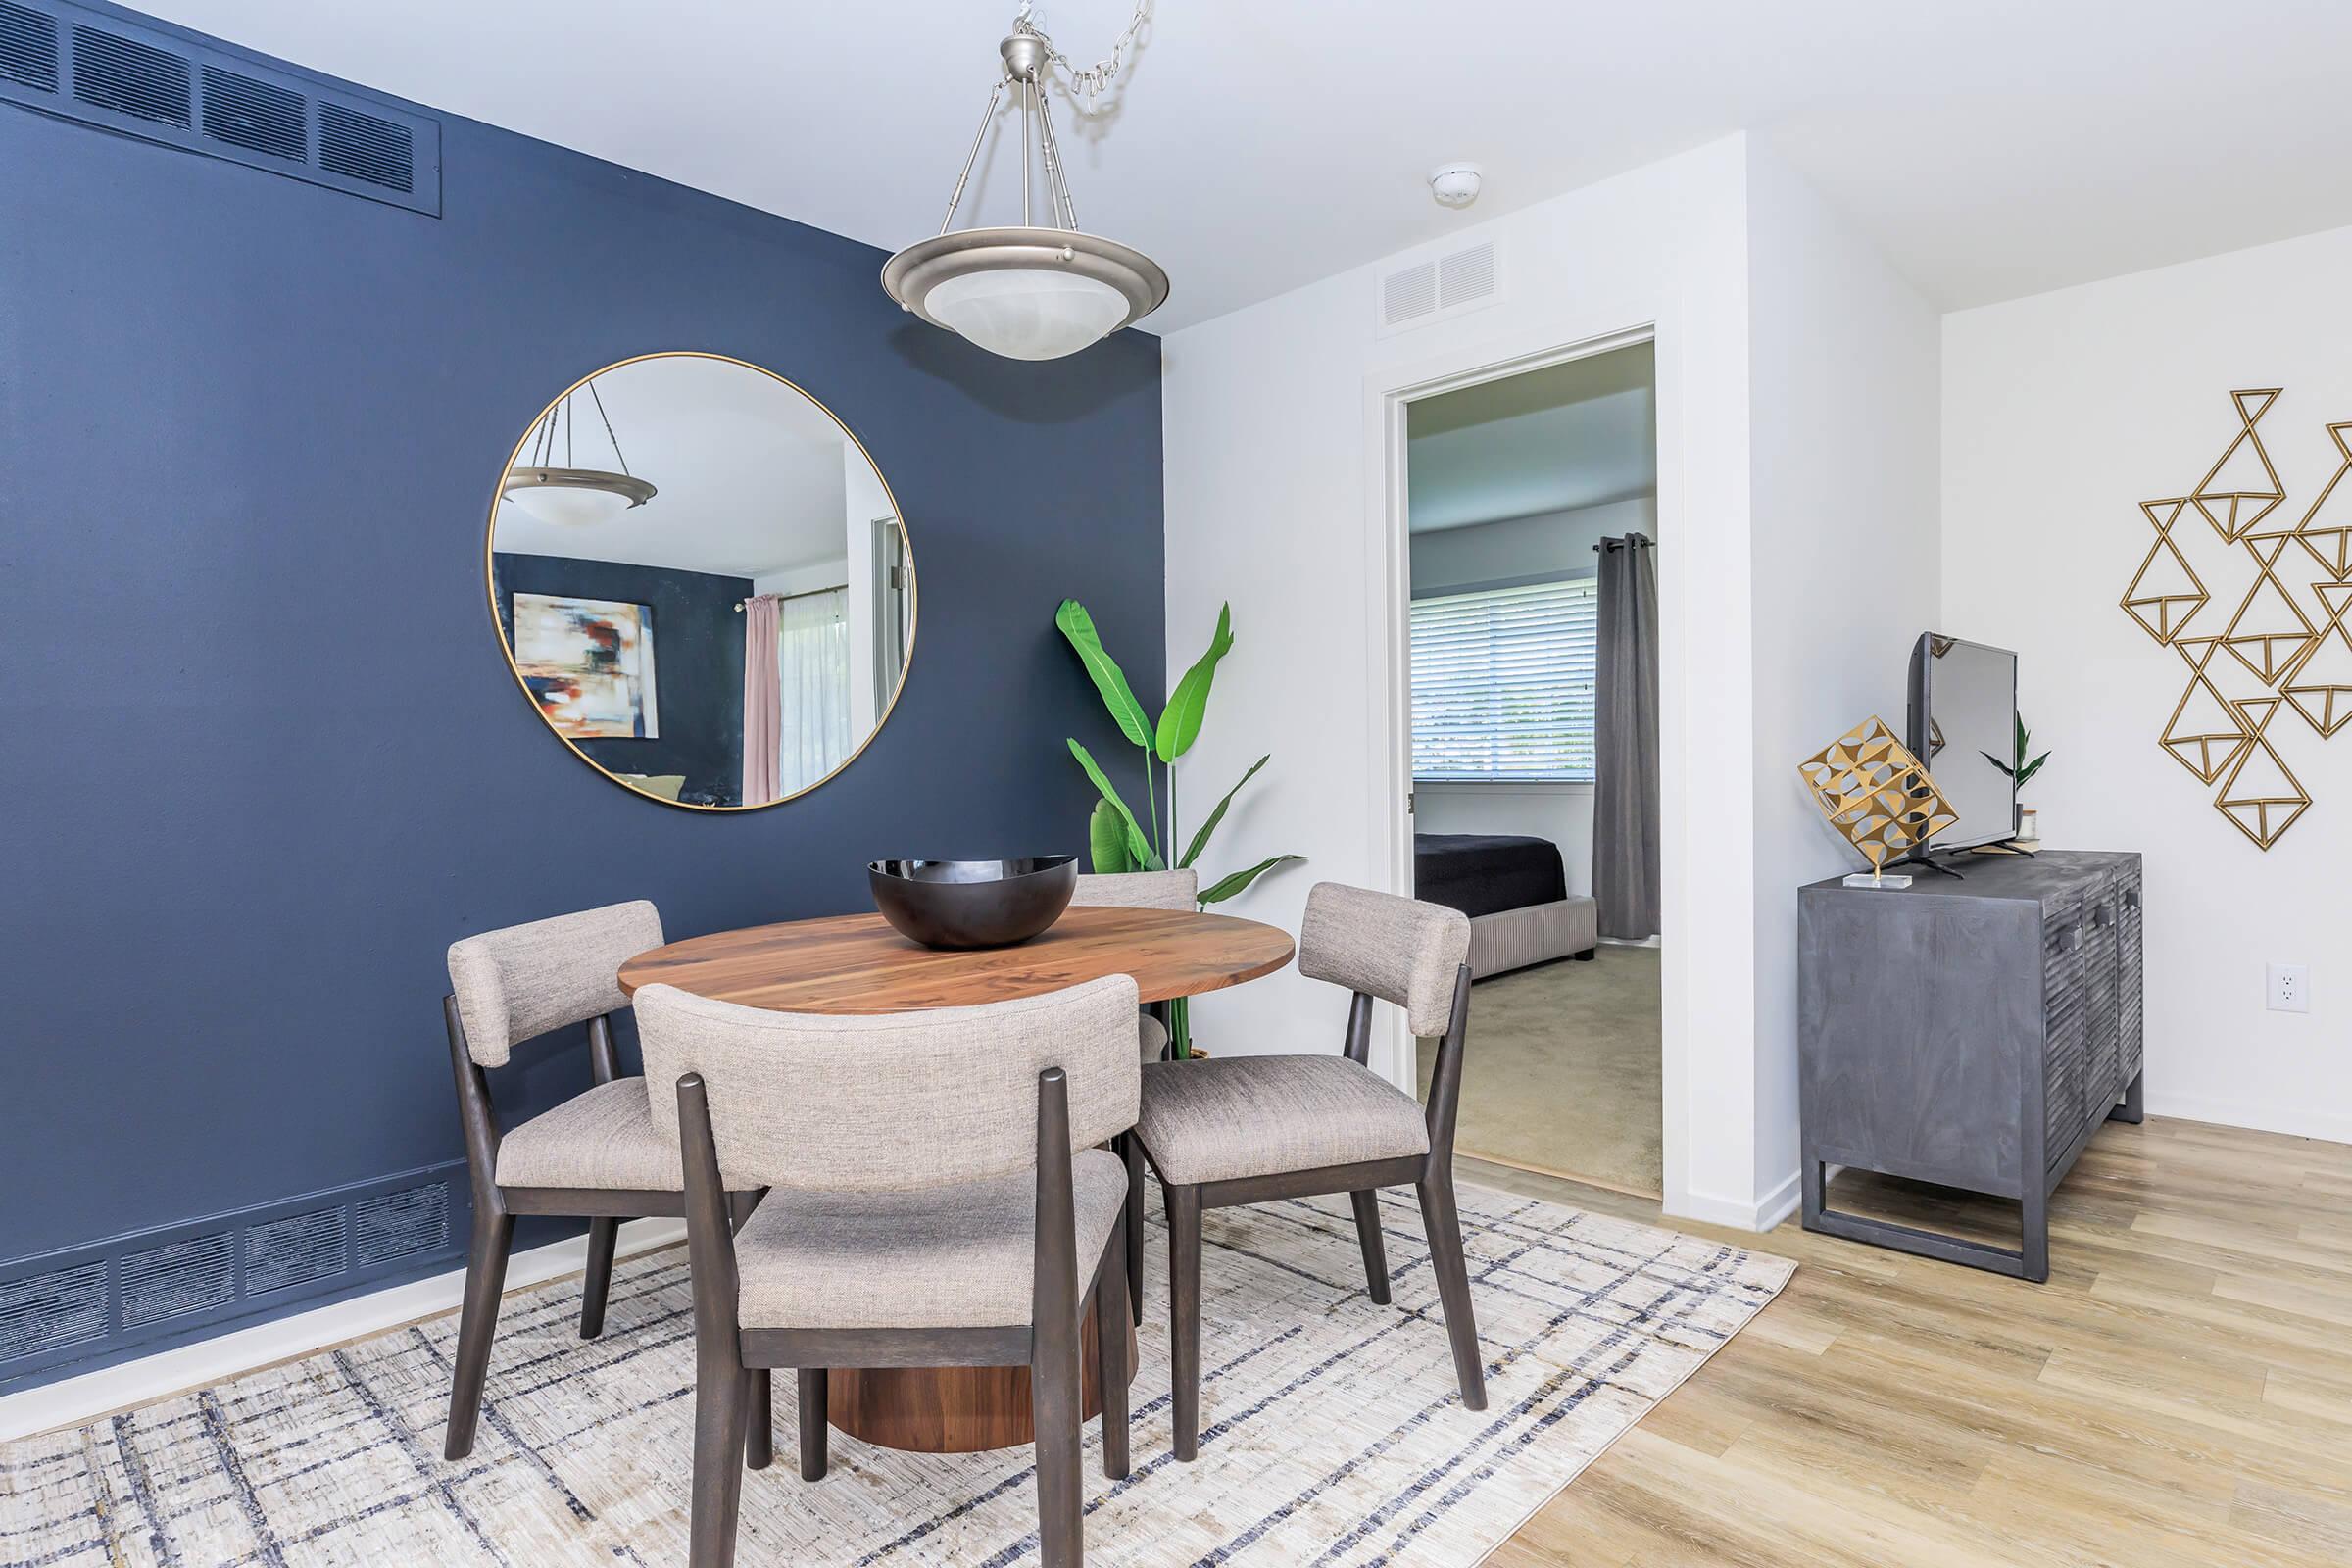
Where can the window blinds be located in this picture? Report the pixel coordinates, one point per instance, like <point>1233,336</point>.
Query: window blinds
<point>1503,683</point>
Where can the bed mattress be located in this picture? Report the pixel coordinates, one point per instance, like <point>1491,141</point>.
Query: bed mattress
<point>1482,874</point>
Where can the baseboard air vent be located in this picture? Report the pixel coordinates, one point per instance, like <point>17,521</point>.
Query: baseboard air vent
<point>104,68</point>
<point>104,1300</point>
<point>1449,284</point>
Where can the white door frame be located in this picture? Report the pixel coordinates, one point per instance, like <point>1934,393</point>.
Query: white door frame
<point>1389,583</point>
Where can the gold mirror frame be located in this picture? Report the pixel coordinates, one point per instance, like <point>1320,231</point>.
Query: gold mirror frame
<point>507,650</point>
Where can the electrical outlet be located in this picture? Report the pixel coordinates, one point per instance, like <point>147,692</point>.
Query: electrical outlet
<point>2291,988</point>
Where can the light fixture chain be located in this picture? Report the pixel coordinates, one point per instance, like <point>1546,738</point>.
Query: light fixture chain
<point>1089,83</point>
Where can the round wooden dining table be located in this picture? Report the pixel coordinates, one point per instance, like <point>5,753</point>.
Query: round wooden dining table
<point>855,963</point>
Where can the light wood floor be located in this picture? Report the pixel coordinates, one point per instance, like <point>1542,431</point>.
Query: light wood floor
<point>2178,1394</point>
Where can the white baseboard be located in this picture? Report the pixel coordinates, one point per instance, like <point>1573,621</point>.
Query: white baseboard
<point>72,1401</point>
<point>1732,1213</point>
<point>2295,1121</point>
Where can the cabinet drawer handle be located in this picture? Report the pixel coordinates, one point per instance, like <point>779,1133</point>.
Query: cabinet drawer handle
<point>2132,897</point>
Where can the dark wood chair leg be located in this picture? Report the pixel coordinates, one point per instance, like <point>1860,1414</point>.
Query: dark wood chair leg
<point>1053,1376</point>
<point>596,1286</point>
<point>1444,1227</point>
<point>1376,1252</point>
<point>719,1433</point>
<point>478,1323</point>
<point>1110,1351</point>
<point>813,1391</point>
<point>1184,1316</point>
<point>1130,1149</point>
<point>759,1420</point>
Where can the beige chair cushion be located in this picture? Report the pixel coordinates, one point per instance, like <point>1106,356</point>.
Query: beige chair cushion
<point>1151,1036</point>
<point>604,1138</point>
<point>894,1102</point>
<point>1399,950</point>
<point>524,980</point>
<point>1139,890</point>
<point>949,1257</point>
<point>1213,1120</point>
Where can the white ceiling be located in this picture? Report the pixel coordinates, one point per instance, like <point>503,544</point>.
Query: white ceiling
<point>1992,148</point>
<point>1570,436</point>
<point>747,472</point>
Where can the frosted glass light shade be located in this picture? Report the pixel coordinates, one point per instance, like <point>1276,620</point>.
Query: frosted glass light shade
<point>1027,313</point>
<point>572,497</point>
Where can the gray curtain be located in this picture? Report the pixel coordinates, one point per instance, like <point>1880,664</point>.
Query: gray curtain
<point>1625,789</point>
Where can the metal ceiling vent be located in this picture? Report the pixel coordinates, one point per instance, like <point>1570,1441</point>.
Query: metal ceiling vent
<point>1445,285</point>
<point>103,69</point>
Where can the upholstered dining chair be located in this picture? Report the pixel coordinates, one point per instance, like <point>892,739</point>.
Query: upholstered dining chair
<point>595,1155</point>
<point>933,1201</point>
<point>1139,890</point>
<point>1253,1129</point>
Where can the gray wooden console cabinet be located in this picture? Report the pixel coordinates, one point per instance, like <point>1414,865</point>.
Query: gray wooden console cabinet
<point>1970,1032</point>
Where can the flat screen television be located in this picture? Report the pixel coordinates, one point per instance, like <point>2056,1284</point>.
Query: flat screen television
<point>1963,715</point>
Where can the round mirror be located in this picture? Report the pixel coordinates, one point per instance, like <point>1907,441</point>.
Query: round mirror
<point>701,581</point>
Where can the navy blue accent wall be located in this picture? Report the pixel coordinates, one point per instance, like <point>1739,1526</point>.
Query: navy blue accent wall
<point>264,760</point>
<point>698,663</point>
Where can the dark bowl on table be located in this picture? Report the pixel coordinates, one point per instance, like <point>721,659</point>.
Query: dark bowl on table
<point>973,903</point>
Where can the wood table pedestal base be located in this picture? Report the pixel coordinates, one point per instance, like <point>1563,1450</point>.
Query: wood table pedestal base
<point>951,1409</point>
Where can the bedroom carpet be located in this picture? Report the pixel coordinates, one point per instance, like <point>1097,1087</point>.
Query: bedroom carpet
<point>1562,1071</point>
<point>1331,1434</point>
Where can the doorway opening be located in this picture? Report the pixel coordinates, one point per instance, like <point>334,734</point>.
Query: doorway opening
<point>1531,678</point>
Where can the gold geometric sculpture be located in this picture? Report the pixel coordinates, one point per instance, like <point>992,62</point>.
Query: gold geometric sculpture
<point>2166,591</point>
<point>2282,635</point>
<point>2234,505</point>
<point>2320,685</point>
<point>2280,656</point>
<point>2266,805</point>
<point>1876,793</point>
<point>2206,732</point>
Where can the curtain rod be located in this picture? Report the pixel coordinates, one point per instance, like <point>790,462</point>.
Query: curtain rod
<point>837,588</point>
<point>1635,541</point>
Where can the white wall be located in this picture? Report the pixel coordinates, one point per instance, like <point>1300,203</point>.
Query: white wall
<point>1548,542</point>
<point>2062,412</point>
<point>1845,388</point>
<point>1274,430</point>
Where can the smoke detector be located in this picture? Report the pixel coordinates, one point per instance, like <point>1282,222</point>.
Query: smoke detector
<point>1456,185</point>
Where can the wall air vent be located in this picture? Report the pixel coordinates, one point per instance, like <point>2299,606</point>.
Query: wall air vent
<point>1450,284</point>
<point>104,68</point>
<point>87,1305</point>
<point>27,47</point>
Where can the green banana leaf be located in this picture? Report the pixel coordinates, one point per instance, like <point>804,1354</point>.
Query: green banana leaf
<point>1106,840</point>
<point>1138,845</point>
<point>1111,680</point>
<point>1235,883</point>
<point>1200,839</point>
<point>1188,705</point>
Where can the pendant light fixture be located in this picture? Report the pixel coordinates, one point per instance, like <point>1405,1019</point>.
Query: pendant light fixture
<point>568,494</point>
<point>1032,291</point>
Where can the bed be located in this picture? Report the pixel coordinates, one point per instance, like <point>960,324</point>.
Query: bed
<point>1515,892</point>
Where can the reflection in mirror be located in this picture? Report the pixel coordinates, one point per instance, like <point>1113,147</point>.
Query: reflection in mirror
<point>702,580</point>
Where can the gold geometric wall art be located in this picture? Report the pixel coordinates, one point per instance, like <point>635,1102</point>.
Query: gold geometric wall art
<point>2242,487</point>
<point>2260,797</point>
<point>2320,685</point>
<point>1876,793</point>
<point>2270,634</point>
<point>2166,591</point>
<point>2206,733</point>
<point>2223,728</point>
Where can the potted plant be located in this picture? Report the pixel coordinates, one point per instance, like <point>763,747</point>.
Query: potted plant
<point>2028,826</point>
<point>1118,840</point>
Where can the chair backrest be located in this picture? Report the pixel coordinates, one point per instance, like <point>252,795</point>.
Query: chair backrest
<point>1140,889</point>
<point>524,980</point>
<point>1399,950</point>
<point>893,1103</point>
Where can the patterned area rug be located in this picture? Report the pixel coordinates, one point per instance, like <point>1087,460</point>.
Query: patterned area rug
<point>1331,1431</point>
